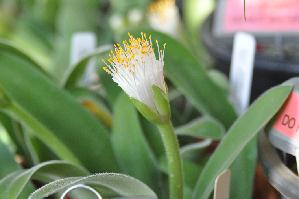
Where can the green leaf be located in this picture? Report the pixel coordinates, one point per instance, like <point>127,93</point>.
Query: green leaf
<point>191,171</point>
<point>14,130</point>
<point>39,152</point>
<point>75,72</point>
<point>238,136</point>
<point>220,79</point>
<point>243,170</point>
<point>191,79</point>
<point>55,117</point>
<point>122,185</point>
<point>205,127</point>
<point>11,48</point>
<point>194,148</point>
<point>27,145</point>
<point>12,185</point>
<point>132,151</point>
<point>7,162</point>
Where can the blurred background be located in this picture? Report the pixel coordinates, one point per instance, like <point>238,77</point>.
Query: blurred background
<point>44,28</point>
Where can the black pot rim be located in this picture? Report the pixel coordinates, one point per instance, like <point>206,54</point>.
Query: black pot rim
<point>279,176</point>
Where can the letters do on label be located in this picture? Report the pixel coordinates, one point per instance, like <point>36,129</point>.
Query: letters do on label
<point>288,121</point>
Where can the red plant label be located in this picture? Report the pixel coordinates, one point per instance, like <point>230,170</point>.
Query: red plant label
<point>262,16</point>
<point>287,121</point>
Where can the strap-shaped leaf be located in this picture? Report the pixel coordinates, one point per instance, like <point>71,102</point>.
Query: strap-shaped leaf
<point>12,185</point>
<point>55,117</point>
<point>123,185</point>
<point>238,136</point>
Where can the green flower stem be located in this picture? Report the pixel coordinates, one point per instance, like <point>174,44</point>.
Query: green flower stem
<point>174,160</point>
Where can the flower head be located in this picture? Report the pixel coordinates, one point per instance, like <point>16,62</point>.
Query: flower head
<point>135,68</point>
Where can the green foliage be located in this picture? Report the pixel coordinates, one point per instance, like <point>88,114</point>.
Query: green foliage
<point>205,127</point>
<point>130,146</point>
<point>55,117</point>
<point>243,130</point>
<point>13,185</point>
<point>118,184</point>
<point>8,163</point>
<point>49,114</point>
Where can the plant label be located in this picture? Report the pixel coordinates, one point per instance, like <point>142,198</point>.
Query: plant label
<point>241,70</point>
<point>82,44</point>
<point>222,185</point>
<point>262,17</point>
<point>285,132</point>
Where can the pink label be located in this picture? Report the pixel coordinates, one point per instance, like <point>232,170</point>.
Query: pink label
<point>262,16</point>
<point>287,121</point>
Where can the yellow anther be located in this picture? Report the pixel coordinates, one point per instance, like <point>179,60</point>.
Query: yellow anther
<point>106,69</point>
<point>124,55</point>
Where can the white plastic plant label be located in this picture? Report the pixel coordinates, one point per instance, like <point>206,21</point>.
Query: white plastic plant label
<point>82,44</point>
<point>241,70</point>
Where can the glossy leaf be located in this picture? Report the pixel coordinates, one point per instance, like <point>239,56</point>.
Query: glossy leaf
<point>240,134</point>
<point>56,118</point>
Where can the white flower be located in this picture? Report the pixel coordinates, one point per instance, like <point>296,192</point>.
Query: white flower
<point>135,68</point>
<point>164,16</point>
